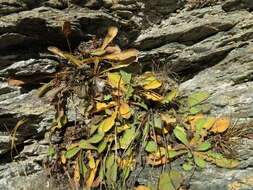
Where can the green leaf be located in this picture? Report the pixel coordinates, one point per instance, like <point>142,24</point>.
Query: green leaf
<point>83,168</point>
<point>157,121</point>
<point>204,146</point>
<point>107,97</point>
<point>109,161</point>
<point>187,166</point>
<point>126,77</point>
<point>111,168</point>
<point>195,109</point>
<point>150,146</point>
<point>197,98</point>
<point>173,153</point>
<point>95,138</point>
<point>51,151</point>
<point>219,160</point>
<point>127,137</point>
<point>102,146</point>
<point>125,173</point>
<point>72,152</point>
<point>93,129</point>
<point>170,180</point>
<point>181,135</point>
<point>170,96</point>
<point>86,145</point>
<point>199,161</point>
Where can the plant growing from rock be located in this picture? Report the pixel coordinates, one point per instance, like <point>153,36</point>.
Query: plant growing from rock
<point>127,118</point>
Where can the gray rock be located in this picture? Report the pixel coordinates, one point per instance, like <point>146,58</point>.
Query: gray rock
<point>231,5</point>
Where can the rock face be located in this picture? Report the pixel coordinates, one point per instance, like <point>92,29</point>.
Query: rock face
<point>210,47</point>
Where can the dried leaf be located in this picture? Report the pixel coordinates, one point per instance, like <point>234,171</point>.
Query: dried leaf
<point>115,80</point>
<point>92,175</point>
<point>66,28</point>
<point>152,83</point>
<point>153,96</point>
<point>220,125</point>
<point>124,55</point>
<point>125,111</point>
<point>76,173</point>
<point>168,119</point>
<point>111,33</point>
<point>65,55</point>
<point>17,82</point>
<point>141,187</point>
<point>103,106</point>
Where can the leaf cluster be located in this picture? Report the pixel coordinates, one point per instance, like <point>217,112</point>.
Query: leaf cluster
<point>127,118</point>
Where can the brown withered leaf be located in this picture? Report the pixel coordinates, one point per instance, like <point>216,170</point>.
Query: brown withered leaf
<point>111,33</point>
<point>66,28</point>
<point>17,82</point>
<point>65,55</point>
<point>126,54</point>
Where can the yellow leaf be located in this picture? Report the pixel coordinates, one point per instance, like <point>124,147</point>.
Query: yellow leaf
<point>193,119</point>
<point>108,123</point>
<point>141,187</point>
<point>209,123</point>
<point>115,80</point>
<point>111,33</point>
<point>67,56</point>
<point>91,162</point>
<point>152,84</point>
<point>63,158</point>
<point>103,106</point>
<point>153,96</point>
<point>125,111</point>
<point>122,128</point>
<point>92,175</point>
<point>220,125</point>
<point>124,55</point>
<point>168,119</point>
<point>76,173</point>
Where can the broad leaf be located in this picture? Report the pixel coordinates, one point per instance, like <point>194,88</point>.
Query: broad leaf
<point>181,135</point>
<point>173,153</point>
<point>204,146</point>
<point>84,144</point>
<point>115,80</point>
<point>170,180</point>
<point>170,96</point>
<point>197,98</point>
<point>111,33</point>
<point>108,123</point>
<point>127,138</point>
<point>124,110</point>
<point>95,138</point>
<point>199,161</point>
<point>220,125</point>
<point>72,152</point>
<point>150,146</point>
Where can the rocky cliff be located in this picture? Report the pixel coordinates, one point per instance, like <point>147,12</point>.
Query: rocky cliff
<point>208,44</point>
